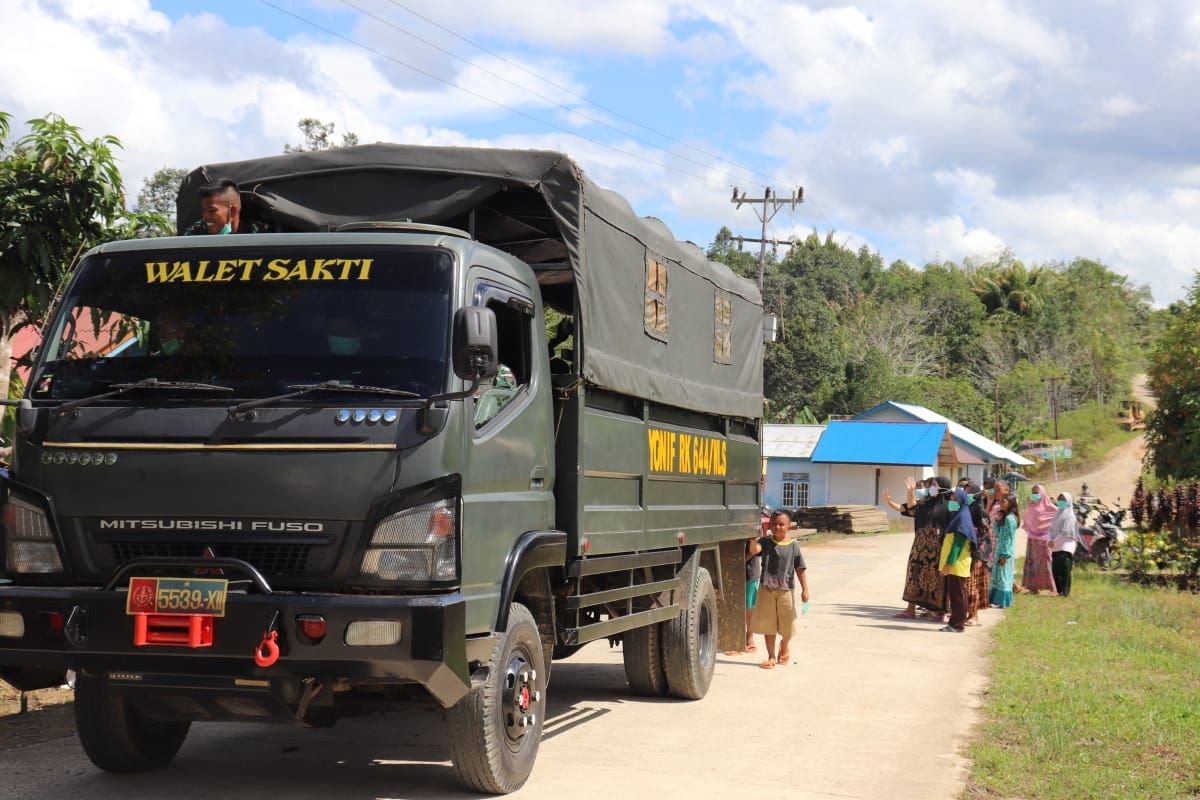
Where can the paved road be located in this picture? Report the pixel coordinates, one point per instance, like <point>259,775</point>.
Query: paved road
<point>874,708</point>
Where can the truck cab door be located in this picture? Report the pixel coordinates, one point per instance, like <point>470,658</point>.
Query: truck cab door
<point>508,475</point>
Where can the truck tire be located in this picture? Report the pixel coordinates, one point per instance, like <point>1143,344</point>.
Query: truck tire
<point>495,730</point>
<point>641,649</point>
<point>690,642</point>
<point>116,736</point>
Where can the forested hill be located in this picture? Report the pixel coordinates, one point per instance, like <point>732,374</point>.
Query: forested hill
<point>962,339</point>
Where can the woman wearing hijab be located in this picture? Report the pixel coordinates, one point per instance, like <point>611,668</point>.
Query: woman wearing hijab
<point>1064,538</point>
<point>960,542</point>
<point>1039,515</point>
<point>923,584</point>
<point>981,566</point>
<point>1005,531</point>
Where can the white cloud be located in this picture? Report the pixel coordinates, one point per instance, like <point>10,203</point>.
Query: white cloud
<point>1121,105</point>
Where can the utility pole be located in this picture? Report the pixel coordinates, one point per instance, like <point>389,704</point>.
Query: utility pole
<point>770,207</point>
<point>996,408</point>
<point>1053,380</point>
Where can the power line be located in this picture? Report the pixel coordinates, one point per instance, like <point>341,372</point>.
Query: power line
<point>534,93</point>
<point>485,98</point>
<point>749,170</point>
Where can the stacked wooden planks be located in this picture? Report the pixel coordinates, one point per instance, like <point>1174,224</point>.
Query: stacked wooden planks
<point>843,519</point>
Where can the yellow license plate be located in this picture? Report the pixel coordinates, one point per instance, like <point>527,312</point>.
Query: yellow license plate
<point>177,596</point>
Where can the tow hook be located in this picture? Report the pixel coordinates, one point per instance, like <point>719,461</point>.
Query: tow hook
<point>76,628</point>
<point>267,652</point>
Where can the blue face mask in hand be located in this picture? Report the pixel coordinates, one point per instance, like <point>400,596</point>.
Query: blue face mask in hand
<point>953,505</point>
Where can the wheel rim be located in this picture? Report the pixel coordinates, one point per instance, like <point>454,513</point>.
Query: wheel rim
<point>706,639</point>
<point>521,698</point>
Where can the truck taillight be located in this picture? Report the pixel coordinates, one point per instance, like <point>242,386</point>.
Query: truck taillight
<point>30,542</point>
<point>417,544</point>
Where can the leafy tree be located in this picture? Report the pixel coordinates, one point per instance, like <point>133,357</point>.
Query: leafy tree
<point>59,194</point>
<point>1173,428</point>
<point>319,136</point>
<point>158,196</point>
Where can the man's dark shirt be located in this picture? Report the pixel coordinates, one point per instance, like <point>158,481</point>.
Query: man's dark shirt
<point>198,228</point>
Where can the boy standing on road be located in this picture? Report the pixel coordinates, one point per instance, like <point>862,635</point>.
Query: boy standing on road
<point>775,610</point>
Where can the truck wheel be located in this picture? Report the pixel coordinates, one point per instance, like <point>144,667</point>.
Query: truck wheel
<point>690,642</point>
<point>116,736</point>
<point>641,649</point>
<point>495,730</point>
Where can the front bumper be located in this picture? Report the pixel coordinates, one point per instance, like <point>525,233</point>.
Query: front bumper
<point>97,637</point>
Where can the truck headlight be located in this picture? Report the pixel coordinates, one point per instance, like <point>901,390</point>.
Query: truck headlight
<point>417,544</point>
<point>30,542</point>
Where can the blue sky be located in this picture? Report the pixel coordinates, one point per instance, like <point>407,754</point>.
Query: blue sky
<point>926,130</point>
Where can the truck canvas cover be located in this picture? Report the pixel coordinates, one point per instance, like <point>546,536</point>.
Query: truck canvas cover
<point>655,319</point>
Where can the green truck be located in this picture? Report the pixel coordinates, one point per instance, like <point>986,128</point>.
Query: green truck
<point>451,415</point>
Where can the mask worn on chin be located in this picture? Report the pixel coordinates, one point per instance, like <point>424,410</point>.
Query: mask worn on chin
<point>343,345</point>
<point>227,229</point>
<point>953,505</point>
<point>1037,498</point>
<point>1062,504</point>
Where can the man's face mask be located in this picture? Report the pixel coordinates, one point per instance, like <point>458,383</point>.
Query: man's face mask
<point>953,505</point>
<point>227,229</point>
<point>343,345</point>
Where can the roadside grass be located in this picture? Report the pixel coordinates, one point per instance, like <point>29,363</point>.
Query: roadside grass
<point>1093,696</point>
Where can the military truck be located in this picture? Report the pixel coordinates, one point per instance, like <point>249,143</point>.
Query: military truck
<point>274,476</point>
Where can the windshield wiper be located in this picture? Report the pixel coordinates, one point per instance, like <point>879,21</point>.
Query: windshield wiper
<point>305,388</point>
<point>146,383</point>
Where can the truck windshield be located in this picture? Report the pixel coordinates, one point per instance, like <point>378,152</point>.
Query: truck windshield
<point>257,320</point>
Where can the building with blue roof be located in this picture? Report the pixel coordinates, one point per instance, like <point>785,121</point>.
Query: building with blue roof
<point>852,462</point>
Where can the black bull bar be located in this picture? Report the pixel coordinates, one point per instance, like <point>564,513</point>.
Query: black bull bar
<point>88,629</point>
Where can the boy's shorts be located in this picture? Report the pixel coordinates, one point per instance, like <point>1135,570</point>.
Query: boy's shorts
<point>751,593</point>
<point>774,613</point>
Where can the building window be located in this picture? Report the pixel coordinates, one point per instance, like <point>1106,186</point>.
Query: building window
<point>795,489</point>
<point>657,324</point>
<point>722,328</point>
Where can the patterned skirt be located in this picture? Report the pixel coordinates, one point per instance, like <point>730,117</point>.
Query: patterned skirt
<point>925,585</point>
<point>978,586</point>
<point>1037,575</point>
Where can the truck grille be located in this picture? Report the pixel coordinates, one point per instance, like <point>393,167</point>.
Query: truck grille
<point>269,559</point>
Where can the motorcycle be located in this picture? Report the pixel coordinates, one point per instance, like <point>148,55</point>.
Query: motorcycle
<point>1102,539</point>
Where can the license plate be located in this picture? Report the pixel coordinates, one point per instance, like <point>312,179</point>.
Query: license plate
<point>177,596</point>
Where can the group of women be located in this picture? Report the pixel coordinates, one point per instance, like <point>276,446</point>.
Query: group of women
<point>964,548</point>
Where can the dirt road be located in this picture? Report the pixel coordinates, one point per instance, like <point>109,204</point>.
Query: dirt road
<point>873,707</point>
<point>1114,480</point>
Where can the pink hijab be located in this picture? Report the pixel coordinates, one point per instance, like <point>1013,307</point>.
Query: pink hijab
<point>1039,515</point>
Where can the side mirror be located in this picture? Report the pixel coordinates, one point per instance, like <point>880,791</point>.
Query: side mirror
<point>475,343</point>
